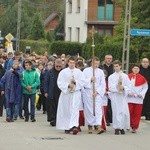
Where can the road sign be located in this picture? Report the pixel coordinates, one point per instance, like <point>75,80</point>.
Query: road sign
<point>140,32</point>
<point>9,37</point>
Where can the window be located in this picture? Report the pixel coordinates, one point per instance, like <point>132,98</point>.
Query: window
<point>108,31</point>
<point>101,2</point>
<point>101,31</point>
<point>105,9</point>
<point>78,34</point>
<point>105,31</point>
<point>70,33</point>
<point>69,6</point>
<point>78,6</point>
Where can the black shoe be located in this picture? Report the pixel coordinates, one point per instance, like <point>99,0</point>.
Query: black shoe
<point>53,123</point>
<point>44,112</point>
<point>117,131</point>
<point>147,118</point>
<point>15,118</point>
<point>108,123</point>
<point>26,119</point>
<point>79,129</point>
<point>8,119</point>
<point>11,120</point>
<point>33,120</point>
<point>122,131</point>
<point>21,117</point>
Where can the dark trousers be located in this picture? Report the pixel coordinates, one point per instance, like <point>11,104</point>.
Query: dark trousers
<point>41,101</point>
<point>109,112</point>
<point>21,106</point>
<point>1,104</point>
<point>146,104</point>
<point>30,97</point>
<point>51,109</point>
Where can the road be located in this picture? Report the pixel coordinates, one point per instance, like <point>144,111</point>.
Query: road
<point>39,135</point>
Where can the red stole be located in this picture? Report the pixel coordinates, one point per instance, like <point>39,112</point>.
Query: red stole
<point>139,79</point>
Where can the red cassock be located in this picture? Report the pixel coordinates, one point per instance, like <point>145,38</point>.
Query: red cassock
<point>135,108</point>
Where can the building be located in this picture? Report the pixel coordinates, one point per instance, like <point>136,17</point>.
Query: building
<point>81,15</point>
<point>51,22</point>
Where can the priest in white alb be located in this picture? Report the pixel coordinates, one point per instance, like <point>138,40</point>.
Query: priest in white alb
<point>70,80</point>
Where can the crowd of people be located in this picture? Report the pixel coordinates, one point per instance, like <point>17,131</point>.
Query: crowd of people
<point>74,92</point>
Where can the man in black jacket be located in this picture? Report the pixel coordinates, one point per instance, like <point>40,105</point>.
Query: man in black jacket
<point>145,71</point>
<point>108,66</point>
<point>52,92</point>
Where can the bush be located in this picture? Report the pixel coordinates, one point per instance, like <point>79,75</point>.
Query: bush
<point>115,49</point>
<point>68,48</point>
<point>38,46</point>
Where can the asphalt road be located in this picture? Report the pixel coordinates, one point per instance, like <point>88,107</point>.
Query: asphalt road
<point>39,135</point>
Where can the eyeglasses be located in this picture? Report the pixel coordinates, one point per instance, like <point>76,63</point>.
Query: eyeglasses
<point>58,66</point>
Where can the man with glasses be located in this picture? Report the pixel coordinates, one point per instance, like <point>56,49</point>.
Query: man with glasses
<point>108,66</point>
<point>51,91</point>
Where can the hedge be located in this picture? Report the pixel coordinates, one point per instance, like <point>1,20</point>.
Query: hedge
<point>38,46</point>
<point>115,49</point>
<point>68,48</point>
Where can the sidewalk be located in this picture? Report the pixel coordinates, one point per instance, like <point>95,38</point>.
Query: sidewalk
<point>21,135</point>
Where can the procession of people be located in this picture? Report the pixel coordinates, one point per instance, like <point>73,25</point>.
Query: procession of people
<point>72,90</point>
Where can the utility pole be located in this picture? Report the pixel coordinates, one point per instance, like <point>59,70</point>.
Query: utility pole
<point>18,26</point>
<point>126,41</point>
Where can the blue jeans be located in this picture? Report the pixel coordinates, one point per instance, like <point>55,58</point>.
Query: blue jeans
<point>32,105</point>
<point>10,110</point>
<point>16,110</point>
<point>21,106</point>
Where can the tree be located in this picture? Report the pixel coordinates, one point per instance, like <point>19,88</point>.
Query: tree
<point>37,29</point>
<point>49,36</point>
<point>59,32</point>
<point>140,19</point>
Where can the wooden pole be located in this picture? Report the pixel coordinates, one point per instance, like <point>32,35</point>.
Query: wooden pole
<point>93,55</point>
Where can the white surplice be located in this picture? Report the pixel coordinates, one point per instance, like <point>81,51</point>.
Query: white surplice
<point>100,87</point>
<point>137,90</point>
<point>69,103</point>
<point>119,104</point>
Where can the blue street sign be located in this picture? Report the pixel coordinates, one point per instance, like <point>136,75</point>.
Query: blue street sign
<point>140,32</point>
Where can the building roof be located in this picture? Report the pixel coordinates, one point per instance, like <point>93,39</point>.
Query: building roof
<point>49,18</point>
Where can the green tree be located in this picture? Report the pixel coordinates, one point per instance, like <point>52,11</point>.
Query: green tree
<point>140,19</point>
<point>49,36</point>
<point>37,29</point>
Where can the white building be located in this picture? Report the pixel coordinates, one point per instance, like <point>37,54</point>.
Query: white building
<point>81,15</point>
<point>76,17</point>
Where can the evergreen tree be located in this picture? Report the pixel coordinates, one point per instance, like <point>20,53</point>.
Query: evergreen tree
<point>37,29</point>
<point>49,36</point>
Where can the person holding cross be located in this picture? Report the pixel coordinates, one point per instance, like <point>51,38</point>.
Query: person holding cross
<point>93,96</point>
